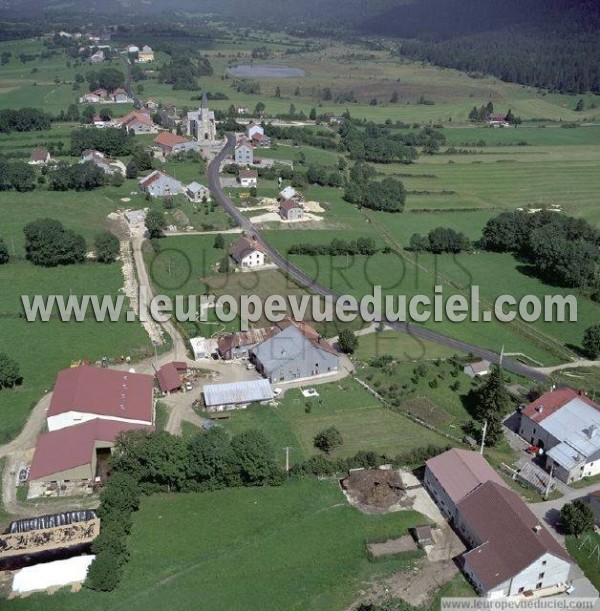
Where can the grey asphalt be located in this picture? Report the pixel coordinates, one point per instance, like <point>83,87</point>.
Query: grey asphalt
<point>306,281</point>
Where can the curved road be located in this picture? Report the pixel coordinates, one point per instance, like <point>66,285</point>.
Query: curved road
<point>305,280</point>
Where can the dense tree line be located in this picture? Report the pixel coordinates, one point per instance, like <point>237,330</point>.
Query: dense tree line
<point>48,244</point>
<point>24,120</point>
<point>105,78</point>
<point>17,175</point>
<point>562,249</point>
<point>337,247</point>
<point>388,195</point>
<point>544,43</point>
<point>4,254</point>
<point>319,138</point>
<point>184,69</point>
<point>111,141</point>
<point>440,240</point>
<point>75,176</point>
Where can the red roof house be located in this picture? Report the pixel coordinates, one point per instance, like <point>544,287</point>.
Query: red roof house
<point>169,142</point>
<point>84,393</point>
<point>168,376</point>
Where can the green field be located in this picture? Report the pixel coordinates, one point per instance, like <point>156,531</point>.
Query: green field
<point>584,555</point>
<point>402,346</point>
<point>363,422</point>
<point>300,546</point>
<point>43,348</point>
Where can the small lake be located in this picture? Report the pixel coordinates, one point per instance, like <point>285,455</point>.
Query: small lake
<point>265,71</point>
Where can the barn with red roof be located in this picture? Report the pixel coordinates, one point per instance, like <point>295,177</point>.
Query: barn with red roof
<point>85,393</point>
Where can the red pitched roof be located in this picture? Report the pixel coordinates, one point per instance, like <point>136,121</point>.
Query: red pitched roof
<point>248,174</point>
<point>135,117</point>
<point>73,446</point>
<point>169,140</point>
<point>552,401</point>
<point>105,392</point>
<point>511,535</point>
<point>168,377</point>
<point>151,178</point>
<point>40,154</point>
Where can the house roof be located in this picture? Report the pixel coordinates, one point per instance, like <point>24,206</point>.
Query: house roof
<point>252,337</point>
<point>153,177</point>
<point>248,174</point>
<point>135,116</point>
<point>512,535</point>
<point>168,378</point>
<point>288,193</point>
<point>287,345</point>
<point>242,247</point>
<point>105,392</point>
<point>195,187</point>
<point>40,154</point>
<point>479,366</point>
<point>169,140</point>
<point>73,446</point>
<point>459,472</point>
<point>244,143</point>
<point>551,402</point>
<point>237,393</point>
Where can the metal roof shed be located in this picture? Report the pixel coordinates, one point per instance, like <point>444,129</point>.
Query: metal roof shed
<point>237,393</point>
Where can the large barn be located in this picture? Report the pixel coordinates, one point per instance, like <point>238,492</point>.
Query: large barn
<point>85,393</point>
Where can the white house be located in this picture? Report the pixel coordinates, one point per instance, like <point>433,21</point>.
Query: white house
<point>86,393</point>
<point>477,369</point>
<point>197,193</point>
<point>244,153</point>
<point>247,254</point>
<point>566,424</point>
<point>248,178</point>
<point>252,129</point>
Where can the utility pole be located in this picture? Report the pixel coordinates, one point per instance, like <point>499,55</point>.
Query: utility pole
<point>287,458</point>
<point>501,356</point>
<point>483,433</point>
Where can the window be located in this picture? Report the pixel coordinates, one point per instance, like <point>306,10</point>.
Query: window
<point>521,589</point>
<point>541,575</point>
<point>544,562</point>
<point>538,586</point>
<point>533,431</point>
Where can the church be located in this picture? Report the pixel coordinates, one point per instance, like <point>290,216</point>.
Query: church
<point>201,124</point>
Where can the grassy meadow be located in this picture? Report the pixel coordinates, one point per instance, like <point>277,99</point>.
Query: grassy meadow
<point>300,546</point>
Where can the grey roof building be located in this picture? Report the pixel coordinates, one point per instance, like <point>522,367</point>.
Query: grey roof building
<point>236,395</point>
<point>295,353</point>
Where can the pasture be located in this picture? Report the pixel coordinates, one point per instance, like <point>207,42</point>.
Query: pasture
<point>363,422</point>
<point>299,546</point>
<point>43,348</point>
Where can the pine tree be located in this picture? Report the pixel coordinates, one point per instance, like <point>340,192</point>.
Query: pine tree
<point>492,399</point>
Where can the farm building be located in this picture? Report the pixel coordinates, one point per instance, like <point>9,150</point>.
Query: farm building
<point>40,156</point>
<point>289,194</point>
<point>137,122</point>
<point>247,254</point>
<point>248,178</point>
<point>172,144</point>
<point>477,369</point>
<point>75,454</point>
<point>203,348</point>
<point>236,395</point>
<point>511,553</point>
<point>238,345</point>
<point>169,377</point>
<point>120,96</point>
<point>452,475</point>
<point>85,393</point>
<point>145,56</point>
<point>566,424</point>
<point>291,210</point>
<point>296,352</point>
<point>159,184</point>
<point>244,153</point>
<point>197,193</point>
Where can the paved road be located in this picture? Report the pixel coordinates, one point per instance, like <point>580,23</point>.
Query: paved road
<point>310,283</point>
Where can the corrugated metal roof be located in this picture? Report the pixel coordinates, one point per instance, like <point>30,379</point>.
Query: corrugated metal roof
<point>237,392</point>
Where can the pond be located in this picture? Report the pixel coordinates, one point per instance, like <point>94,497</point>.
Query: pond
<point>264,71</point>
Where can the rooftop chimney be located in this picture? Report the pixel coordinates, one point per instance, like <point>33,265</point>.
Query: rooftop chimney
<point>537,528</point>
